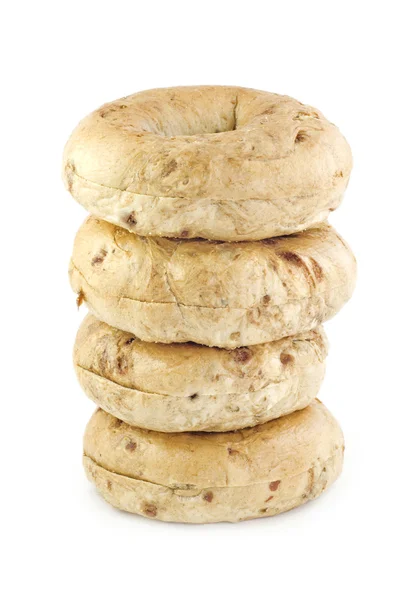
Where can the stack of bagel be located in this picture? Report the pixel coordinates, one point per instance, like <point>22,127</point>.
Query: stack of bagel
<point>208,268</point>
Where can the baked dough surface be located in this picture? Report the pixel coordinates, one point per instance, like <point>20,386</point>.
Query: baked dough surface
<point>200,478</point>
<point>216,162</point>
<point>186,387</point>
<point>212,293</point>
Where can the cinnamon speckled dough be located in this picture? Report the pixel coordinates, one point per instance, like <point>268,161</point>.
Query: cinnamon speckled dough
<point>200,478</point>
<point>216,294</point>
<point>223,163</point>
<point>186,387</point>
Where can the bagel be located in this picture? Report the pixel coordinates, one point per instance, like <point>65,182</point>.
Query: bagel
<point>216,294</point>
<point>210,477</point>
<point>184,387</point>
<point>216,162</point>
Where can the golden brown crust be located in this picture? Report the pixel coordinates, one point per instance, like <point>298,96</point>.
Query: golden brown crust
<point>186,387</point>
<point>218,476</point>
<point>215,162</point>
<point>216,294</point>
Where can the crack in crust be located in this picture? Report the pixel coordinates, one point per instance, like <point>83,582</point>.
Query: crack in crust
<point>221,308</point>
<point>199,491</point>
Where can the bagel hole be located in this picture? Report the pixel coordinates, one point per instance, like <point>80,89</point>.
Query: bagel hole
<point>197,117</point>
<point>203,127</point>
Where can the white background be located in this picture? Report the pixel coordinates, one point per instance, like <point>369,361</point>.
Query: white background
<point>60,60</point>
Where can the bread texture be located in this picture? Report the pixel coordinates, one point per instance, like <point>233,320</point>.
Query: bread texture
<point>186,387</point>
<point>217,294</point>
<point>200,478</point>
<point>216,162</point>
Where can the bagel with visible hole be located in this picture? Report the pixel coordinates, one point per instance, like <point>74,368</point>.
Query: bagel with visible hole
<point>211,477</point>
<point>216,162</point>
